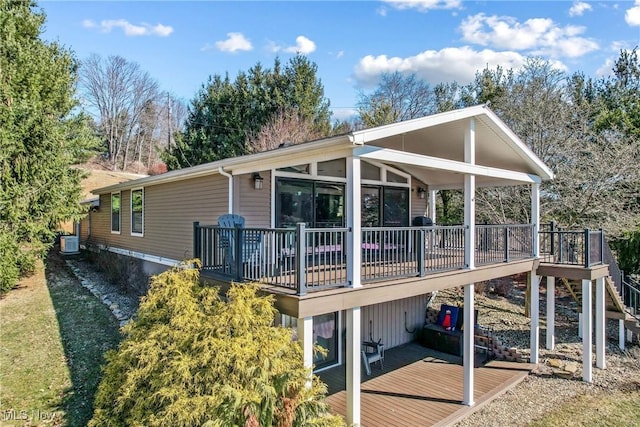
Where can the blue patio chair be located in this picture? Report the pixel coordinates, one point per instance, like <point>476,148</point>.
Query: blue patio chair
<point>250,244</point>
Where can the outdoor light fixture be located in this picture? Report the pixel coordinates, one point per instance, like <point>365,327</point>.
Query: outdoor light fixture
<point>257,181</point>
<point>422,193</point>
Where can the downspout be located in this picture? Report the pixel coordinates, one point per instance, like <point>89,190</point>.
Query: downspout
<point>223,173</point>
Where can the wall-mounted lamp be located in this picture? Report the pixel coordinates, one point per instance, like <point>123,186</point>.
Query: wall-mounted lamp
<point>422,193</point>
<point>257,181</point>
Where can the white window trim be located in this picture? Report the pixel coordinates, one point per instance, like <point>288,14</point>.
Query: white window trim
<point>134,233</point>
<point>111,213</point>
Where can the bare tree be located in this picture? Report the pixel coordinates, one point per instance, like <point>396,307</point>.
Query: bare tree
<point>284,128</point>
<point>119,93</point>
<point>398,97</point>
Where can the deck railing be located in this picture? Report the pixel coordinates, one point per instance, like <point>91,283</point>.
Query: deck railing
<point>503,243</point>
<point>305,259</point>
<point>560,246</point>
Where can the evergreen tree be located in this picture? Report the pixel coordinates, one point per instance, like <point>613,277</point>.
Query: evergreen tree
<point>40,138</point>
<point>192,359</point>
<point>225,114</point>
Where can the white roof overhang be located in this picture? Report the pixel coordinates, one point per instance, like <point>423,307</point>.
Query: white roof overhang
<point>430,148</point>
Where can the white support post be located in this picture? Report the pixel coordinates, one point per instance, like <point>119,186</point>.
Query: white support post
<point>587,319</point>
<point>468,351</point>
<point>305,337</point>
<point>432,205</point>
<point>354,237</point>
<point>353,366</point>
<point>600,324</point>
<point>580,325</point>
<point>621,334</point>
<point>535,217</point>
<point>551,312</point>
<point>470,196</point>
<point>534,310</point>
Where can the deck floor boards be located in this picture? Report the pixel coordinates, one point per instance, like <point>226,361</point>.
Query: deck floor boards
<point>421,387</point>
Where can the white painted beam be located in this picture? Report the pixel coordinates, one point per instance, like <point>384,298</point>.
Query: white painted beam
<point>432,205</point>
<point>353,366</point>
<point>600,324</point>
<point>535,217</point>
<point>551,312</point>
<point>468,351</point>
<point>429,162</point>
<point>305,338</point>
<point>354,236</point>
<point>621,334</point>
<point>587,319</point>
<point>534,310</point>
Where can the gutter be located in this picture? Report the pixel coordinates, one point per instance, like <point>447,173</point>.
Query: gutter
<point>228,175</point>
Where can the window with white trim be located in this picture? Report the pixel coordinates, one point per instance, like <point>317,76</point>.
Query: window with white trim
<point>115,212</point>
<point>137,212</point>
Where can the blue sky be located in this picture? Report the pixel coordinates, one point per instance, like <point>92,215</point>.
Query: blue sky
<point>182,43</point>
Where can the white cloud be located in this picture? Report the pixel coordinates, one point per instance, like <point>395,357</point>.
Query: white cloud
<point>343,113</point>
<point>539,36</point>
<point>128,28</point>
<point>424,5</point>
<point>435,66</point>
<point>303,45</point>
<point>606,69</point>
<point>233,43</point>
<point>382,11</point>
<point>579,8</point>
<point>340,54</point>
<point>633,15</point>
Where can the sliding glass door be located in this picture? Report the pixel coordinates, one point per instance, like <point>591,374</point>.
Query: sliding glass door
<point>318,204</point>
<point>384,206</point>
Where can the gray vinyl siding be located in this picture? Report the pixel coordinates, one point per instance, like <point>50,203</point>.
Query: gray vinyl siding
<point>254,205</point>
<point>387,320</point>
<point>169,212</point>
<point>418,206</point>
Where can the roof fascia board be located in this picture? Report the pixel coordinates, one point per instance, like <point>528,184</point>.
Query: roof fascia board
<point>368,135</point>
<point>521,148</point>
<point>314,155</point>
<point>228,164</point>
<point>389,155</point>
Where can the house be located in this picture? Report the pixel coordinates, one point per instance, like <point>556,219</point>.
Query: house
<point>335,229</point>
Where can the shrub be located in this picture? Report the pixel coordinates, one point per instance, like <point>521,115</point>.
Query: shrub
<point>157,169</point>
<point>9,270</point>
<point>191,358</point>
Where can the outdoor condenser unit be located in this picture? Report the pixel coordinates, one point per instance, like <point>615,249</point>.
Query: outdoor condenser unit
<point>69,244</point>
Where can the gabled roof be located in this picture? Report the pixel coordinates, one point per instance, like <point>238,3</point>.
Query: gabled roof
<point>436,136</point>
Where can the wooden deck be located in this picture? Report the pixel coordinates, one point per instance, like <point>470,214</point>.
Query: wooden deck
<point>421,387</point>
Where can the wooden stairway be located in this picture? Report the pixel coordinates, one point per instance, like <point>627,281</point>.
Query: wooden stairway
<point>614,306</point>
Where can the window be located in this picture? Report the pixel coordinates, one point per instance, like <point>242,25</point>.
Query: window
<point>115,212</point>
<point>305,169</point>
<point>335,167</point>
<point>369,171</point>
<point>137,212</point>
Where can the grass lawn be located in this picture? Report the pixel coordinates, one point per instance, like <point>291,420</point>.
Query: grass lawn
<point>54,334</point>
<point>616,409</point>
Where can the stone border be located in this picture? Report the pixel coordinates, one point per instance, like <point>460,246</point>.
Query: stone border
<point>120,316</point>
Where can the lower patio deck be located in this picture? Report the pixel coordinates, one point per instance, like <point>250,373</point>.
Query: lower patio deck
<point>421,387</point>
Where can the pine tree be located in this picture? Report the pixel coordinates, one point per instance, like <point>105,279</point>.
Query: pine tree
<point>40,138</point>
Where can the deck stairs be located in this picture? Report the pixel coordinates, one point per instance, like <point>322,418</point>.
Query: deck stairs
<point>614,306</point>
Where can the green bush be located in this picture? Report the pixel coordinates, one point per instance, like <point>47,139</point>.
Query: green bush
<point>628,251</point>
<point>9,270</point>
<point>192,359</point>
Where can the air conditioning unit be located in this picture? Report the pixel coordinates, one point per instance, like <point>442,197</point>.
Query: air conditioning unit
<point>69,244</point>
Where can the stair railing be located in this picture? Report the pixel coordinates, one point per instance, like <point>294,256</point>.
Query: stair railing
<point>631,296</point>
